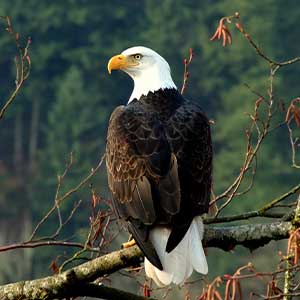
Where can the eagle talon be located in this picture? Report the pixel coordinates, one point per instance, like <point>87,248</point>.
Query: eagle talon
<point>128,244</point>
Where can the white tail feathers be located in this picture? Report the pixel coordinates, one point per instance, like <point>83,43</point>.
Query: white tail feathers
<point>179,264</point>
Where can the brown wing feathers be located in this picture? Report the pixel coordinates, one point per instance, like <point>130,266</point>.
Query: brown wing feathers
<point>142,172</point>
<point>159,173</point>
<point>189,133</point>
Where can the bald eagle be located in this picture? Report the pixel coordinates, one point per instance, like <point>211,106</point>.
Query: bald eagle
<point>159,164</point>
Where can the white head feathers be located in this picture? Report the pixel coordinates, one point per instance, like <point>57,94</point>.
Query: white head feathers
<point>150,74</point>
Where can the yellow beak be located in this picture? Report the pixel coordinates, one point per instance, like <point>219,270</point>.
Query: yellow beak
<point>117,62</point>
<point>120,62</point>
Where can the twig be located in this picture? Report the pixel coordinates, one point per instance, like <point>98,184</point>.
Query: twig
<point>280,198</point>
<point>242,217</point>
<point>40,244</point>
<point>186,63</point>
<point>59,200</point>
<point>22,64</point>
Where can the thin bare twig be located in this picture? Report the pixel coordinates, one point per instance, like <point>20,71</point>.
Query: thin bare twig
<point>59,200</point>
<point>22,64</point>
<point>186,63</point>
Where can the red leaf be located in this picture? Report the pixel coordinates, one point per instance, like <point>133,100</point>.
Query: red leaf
<point>146,290</point>
<point>54,266</point>
<point>296,115</point>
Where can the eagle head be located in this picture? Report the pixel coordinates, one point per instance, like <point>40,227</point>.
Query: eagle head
<point>149,71</point>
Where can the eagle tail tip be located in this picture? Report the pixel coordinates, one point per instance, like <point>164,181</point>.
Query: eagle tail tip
<point>179,264</point>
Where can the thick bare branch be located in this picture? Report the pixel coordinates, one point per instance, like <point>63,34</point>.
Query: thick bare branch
<point>76,290</point>
<point>104,292</point>
<point>251,236</point>
<point>58,286</point>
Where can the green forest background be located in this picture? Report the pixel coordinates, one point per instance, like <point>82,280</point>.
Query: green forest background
<point>66,103</point>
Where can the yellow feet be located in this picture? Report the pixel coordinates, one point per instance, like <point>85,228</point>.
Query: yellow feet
<point>129,244</point>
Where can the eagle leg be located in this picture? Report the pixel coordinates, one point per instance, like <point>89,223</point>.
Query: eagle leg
<point>131,242</point>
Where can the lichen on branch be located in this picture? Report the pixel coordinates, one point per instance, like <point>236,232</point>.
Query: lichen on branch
<point>66,284</point>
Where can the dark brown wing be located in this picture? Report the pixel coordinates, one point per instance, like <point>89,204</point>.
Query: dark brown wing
<point>188,132</point>
<point>142,173</point>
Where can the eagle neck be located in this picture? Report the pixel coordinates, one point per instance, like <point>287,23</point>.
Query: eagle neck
<point>150,80</point>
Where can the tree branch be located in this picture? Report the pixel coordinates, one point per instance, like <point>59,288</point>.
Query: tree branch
<point>251,236</point>
<point>76,290</point>
<point>67,283</point>
<point>104,292</point>
<point>242,217</point>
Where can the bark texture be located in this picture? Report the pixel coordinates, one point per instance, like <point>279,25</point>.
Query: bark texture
<point>78,281</point>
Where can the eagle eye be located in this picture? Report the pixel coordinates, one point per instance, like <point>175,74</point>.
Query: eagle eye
<point>137,56</point>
